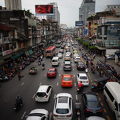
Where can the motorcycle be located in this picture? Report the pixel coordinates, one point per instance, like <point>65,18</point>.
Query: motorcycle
<point>18,104</point>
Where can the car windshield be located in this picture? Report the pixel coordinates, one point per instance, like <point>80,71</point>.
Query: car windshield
<point>93,104</point>
<point>62,111</point>
<point>67,78</point>
<point>83,77</point>
<point>50,71</point>
<point>41,94</point>
<point>36,114</point>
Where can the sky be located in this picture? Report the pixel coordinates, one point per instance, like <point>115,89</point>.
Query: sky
<point>69,9</point>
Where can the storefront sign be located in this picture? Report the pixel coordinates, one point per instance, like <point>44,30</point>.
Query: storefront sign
<point>7,52</point>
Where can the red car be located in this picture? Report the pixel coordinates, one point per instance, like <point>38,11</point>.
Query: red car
<point>67,80</point>
<point>52,72</point>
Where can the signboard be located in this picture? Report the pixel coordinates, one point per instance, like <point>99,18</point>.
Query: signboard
<point>44,9</point>
<point>78,23</point>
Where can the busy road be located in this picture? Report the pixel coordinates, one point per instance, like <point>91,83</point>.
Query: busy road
<point>28,85</point>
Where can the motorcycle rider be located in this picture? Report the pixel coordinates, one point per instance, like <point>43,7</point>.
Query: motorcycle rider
<point>19,102</point>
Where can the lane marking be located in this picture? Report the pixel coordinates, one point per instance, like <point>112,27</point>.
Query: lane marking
<point>57,83</point>
<point>75,84</point>
<point>50,116</point>
<point>40,84</point>
<point>22,83</point>
<point>76,97</point>
<point>33,96</point>
<point>59,74</point>
<point>23,115</point>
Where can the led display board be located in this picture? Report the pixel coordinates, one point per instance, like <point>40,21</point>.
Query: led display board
<point>44,9</point>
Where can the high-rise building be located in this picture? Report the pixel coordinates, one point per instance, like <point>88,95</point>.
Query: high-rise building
<point>13,4</point>
<point>56,15</point>
<point>86,9</point>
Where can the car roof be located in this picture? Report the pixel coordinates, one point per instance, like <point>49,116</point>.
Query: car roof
<point>64,94</point>
<point>67,75</point>
<point>51,68</point>
<point>95,118</point>
<point>82,74</point>
<point>43,88</point>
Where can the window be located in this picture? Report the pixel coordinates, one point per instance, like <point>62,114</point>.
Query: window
<point>109,94</point>
<point>70,103</point>
<point>48,89</point>
<point>116,106</point>
<point>62,111</point>
<point>41,94</point>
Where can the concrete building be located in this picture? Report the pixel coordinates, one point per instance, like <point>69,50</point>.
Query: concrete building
<point>13,4</point>
<point>86,9</point>
<point>56,15</point>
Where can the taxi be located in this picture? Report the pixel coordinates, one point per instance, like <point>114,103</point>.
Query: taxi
<point>67,80</point>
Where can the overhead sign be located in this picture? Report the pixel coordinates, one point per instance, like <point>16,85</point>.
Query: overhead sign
<point>78,23</point>
<point>44,9</point>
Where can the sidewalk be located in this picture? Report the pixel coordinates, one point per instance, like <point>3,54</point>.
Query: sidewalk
<point>110,62</point>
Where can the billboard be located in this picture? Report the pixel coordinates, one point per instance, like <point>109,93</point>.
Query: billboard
<point>44,9</point>
<point>78,23</point>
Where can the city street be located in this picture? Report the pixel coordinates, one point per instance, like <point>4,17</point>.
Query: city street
<point>28,86</point>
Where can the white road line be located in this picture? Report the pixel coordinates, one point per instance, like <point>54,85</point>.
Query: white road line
<point>33,96</point>
<point>22,83</point>
<point>50,118</point>
<point>57,83</point>
<point>23,115</point>
<point>75,84</point>
<point>59,74</point>
<point>40,83</point>
<point>76,97</point>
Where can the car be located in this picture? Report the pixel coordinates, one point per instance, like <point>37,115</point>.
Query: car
<point>61,50</point>
<point>67,59</point>
<point>38,114</point>
<point>52,72</point>
<point>68,54</point>
<point>60,55</point>
<point>83,78</point>
<point>110,57</point>
<point>95,118</point>
<point>43,93</point>
<point>63,107</point>
<point>67,80</point>
<point>98,84</point>
<point>81,66</point>
<point>67,66</point>
<point>33,70</point>
<point>75,55</point>
<point>77,59</point>
<point>91,104</point>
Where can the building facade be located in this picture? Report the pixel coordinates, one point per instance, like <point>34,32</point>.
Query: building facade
<point>13,4</point>
<point>56,15</point>
<point>86,9</point>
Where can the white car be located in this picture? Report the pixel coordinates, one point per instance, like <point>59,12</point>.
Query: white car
<point>60,55</point>
<point>95,118</point>
<point>83,78</point>
<point>75,55</point>
<point>63,107</point>
<point>68,54</point>
<point>77,59</point>
<point>43,93</point>
<point>38,114</point>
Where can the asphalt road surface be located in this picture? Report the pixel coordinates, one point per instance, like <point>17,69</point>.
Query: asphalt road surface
<point>28,86</point>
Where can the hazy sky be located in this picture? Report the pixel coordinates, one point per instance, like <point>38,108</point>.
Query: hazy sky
<point>69,9</point>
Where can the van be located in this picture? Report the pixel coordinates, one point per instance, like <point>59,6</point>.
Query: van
<point>43,93</point>
<point>55,61</point>
<point>112,97</point>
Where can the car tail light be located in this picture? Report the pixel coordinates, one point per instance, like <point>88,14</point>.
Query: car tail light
<point>87,110</point>
<point>101,110</point>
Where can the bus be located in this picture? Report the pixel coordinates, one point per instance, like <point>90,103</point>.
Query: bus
<point>50,51</point>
